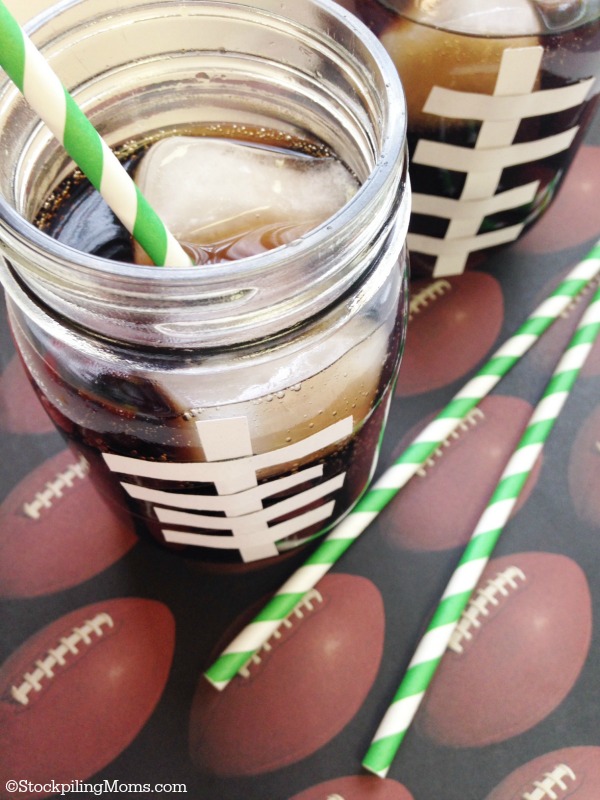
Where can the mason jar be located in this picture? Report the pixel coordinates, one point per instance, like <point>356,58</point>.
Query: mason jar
<point>234,408</point>
<point>499,97</point>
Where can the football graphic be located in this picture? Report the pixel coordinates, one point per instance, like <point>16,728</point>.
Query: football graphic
<point>584,470</point>
<point>441,505</point>
<point>356,787</point>
<point>78,692</point>
<point>440,345</point>
<point>517,652</point>
<point>300,690</point>
<point>57,531</point>
<point>572,219</point>
<point>573,773</point>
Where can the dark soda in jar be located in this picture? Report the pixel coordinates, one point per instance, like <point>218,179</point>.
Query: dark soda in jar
<point>499,97</point>
<point>229,459</point>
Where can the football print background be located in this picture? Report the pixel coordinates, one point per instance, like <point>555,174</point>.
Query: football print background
<point>85,606</point>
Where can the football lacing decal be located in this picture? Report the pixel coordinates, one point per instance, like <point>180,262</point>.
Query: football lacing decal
<point>58,656</point>
<point>304,607</point>
<point>423,298</point>
<point>592,285</point>
<point>473,418</point>
<point>546,788</point>
<point>55,488</point>
<point>479,605</point>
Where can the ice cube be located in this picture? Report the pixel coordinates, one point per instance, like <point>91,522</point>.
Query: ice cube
<point>560,15</point>
<point>452,47</point>
<point>234,199</point>
<point>346,388</point>
<point>480,17</point>
<point>286,399</point>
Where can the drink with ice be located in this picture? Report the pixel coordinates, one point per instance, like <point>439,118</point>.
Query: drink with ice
<point>235,407</point>
<point>308,417</point>
<point>228,199</point>
<point>499,96</point>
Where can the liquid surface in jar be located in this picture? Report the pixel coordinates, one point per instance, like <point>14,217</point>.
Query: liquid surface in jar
<point>225,192</point>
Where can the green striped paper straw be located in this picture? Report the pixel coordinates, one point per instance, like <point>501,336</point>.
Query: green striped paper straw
<point>457,594</point>
<point>264,625</point>
<point>44,92</point>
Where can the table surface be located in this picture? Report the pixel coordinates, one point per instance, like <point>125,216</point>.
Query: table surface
<point>527,684</point>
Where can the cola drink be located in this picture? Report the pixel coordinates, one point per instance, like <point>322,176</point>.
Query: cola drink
<point>499,97</point>
<point>242,461</point>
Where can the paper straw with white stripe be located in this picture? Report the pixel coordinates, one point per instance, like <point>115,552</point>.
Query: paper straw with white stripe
<point>476,555</point>
<point>44,92</point>
<point>254,635</point>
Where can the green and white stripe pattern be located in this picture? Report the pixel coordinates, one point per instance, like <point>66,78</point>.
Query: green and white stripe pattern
<point>44,92</point>
<point>432,646</point>
<point>257,633</point>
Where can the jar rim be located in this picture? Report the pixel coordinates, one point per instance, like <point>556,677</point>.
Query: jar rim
<point>23,232</point>
<point>25,235</point>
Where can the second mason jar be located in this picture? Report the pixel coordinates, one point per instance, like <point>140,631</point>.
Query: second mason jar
<point>499,98</point>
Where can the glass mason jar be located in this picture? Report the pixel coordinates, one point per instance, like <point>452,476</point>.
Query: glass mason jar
<point>499,97</point>
<point>235,409</point>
